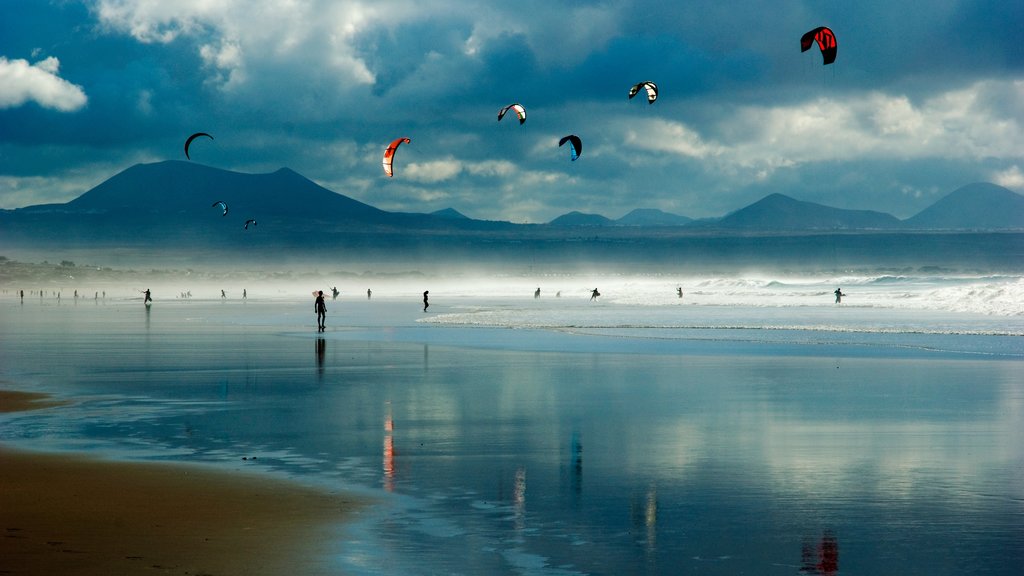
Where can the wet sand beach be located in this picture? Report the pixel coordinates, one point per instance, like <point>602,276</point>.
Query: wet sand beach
<point>64,514</point>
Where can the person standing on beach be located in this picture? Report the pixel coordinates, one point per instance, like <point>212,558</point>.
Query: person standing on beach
<point>368,294</point>
<point>320,307</point>
<point>425,303</point>
<point>839,295</point>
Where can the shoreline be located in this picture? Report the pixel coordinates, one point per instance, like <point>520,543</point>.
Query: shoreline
<point>72,514</point>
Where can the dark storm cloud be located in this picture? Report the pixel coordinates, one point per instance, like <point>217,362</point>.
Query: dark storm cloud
<point>924,97</point>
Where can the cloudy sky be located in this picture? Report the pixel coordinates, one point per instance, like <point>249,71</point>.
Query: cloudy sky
<point>925,96</point>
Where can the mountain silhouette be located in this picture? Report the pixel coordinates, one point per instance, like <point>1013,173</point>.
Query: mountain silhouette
<point>780,212</point>
<point>652,217</point>
<point>979,206</point>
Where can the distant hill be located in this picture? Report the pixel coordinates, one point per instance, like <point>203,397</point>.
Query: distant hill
<point>450,213</point>
<point>182,188</point>
<point>780,212</point>
<point>981,206</point>
<point>575,218</point>
<point>652,217</point>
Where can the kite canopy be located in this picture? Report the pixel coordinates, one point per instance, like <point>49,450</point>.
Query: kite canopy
<point>247,222</point>
<point>651,87</point>
<point>222,205</point>
<point>389,155</point>
<point>826,43</point>
<point>519,110</point>
<point>575,145</point>
<point>193,137</point>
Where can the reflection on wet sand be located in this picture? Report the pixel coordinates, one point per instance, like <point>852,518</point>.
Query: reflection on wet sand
<point>389,451</point>
<point>321,349</point>
<point>821,558</point>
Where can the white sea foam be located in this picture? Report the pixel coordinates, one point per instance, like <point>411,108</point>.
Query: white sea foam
<point>880,303</point>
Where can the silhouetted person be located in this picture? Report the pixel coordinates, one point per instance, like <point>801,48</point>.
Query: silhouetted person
<point>425,303</point>
<point>368,293</point>
<point>320,307</point>
<point>839,296</point>
<point>334,293</point>
<point>223,295</point>
<point>679,291</point>
<point>22,294</point>
<point>244,294</point>
<point>594,294</point>
<point>148,298</point>
<point>536,293</point>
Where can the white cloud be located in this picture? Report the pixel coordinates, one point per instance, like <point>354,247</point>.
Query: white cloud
<point>756,140</point>
<point>237,34</point>
<point>1012,177</point>
<point>21,82</point>
<point>433,171</point>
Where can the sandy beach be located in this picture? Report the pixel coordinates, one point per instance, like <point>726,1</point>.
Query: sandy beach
<point>63,514</point>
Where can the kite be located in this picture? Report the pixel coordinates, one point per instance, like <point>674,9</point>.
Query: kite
<point>519,110</point>
<point>389,155</point>
<point>826,43</point>
<point>193,137</point>
<point>222,205</point>
<point>575,145</point>
<point>652,91</point>
<point>250,221</point>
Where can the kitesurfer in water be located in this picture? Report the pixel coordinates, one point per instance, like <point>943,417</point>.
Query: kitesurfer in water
<point>148,298</point>
<point>334,293</point>
<point>425,303</point>
<point>839,295</point>
<point>320,307</point>
<point>594,294</point>
<point>369,294</point>
<point>679,291</point>
<point>536,293</point>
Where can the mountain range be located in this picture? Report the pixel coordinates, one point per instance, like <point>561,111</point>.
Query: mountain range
<point>175,189</point>
<point>173,204</point>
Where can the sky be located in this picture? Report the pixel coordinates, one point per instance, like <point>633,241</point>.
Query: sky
<point>925,96</point>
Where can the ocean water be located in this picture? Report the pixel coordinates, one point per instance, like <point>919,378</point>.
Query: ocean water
<point>750,427</point>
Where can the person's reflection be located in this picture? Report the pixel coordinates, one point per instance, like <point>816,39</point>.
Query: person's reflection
<point>822,558</point>
<point>576,464</point>
<point>321,348</point>
<point>519,499</point>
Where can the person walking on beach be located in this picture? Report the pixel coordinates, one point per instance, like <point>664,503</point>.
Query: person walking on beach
<point>839,295</point>
<point>320,307</point>
<point>425,303</point>
<point>594,294</point>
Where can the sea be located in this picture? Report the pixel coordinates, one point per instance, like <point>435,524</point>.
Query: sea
<point>728,424</point>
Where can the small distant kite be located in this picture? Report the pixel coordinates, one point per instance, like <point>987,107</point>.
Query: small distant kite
<point>389,155</point>
<point>222,205</point>
<point>651,87</point>
<point>575,145</point>
<point>517,108</point>
<point>826,43</point>
<point>250,221</point>
<point>193,137</point>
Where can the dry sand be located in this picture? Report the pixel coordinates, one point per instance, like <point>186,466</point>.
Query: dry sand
<point>64,514</point>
